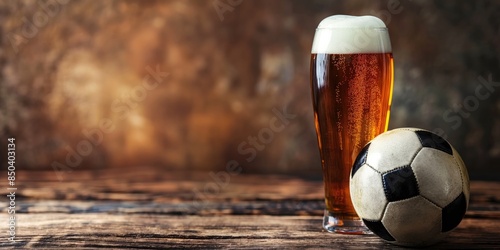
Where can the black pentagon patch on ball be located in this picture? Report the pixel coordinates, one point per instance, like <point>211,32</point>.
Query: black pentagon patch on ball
<point>453,213</point>
<point>434,141</point>
<point>400,184</point>
<point>360,159</point>
<point>378,228</point>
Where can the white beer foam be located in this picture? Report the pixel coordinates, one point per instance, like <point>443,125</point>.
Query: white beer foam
<point>343,34</point>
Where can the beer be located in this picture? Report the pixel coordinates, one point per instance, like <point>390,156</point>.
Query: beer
<point>351,107</point>
<point>351,82</point>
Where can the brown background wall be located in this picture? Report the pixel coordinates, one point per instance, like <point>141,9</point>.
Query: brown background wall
<point>68,67</point>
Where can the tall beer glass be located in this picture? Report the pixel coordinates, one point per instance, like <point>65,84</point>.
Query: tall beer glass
<point>351,82</point>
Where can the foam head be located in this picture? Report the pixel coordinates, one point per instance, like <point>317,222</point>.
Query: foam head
<point>342,34</point>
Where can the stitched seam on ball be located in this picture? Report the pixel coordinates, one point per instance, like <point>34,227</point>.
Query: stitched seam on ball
<point>385,209</point>
<point>461,176</point>
<point>416,153</point>
<point>394,169</point>
<point>414,175</point>
<point>384,186</point>
<point>372,168</point>
<point>405,199</point>
<point>408,129</point>
<point>420,139</point>
<point>435,204</point>
<point>459,169</point>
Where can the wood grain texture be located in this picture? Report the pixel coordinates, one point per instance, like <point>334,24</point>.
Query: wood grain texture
<point>156,210</point>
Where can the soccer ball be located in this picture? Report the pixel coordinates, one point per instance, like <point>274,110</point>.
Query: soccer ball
<point>410,187</point>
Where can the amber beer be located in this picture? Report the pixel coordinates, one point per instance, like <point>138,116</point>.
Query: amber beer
<point>351,81</point>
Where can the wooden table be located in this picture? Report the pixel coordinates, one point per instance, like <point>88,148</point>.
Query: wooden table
<point>154,209</point>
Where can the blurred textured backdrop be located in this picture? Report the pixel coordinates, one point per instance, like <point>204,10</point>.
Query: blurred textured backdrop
<point>188,84</point>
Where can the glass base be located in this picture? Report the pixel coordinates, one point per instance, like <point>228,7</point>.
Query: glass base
<point>344,224</point>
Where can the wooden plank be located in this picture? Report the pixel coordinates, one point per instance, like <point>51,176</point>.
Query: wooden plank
<point>158,209</point>
<point>278,208</point>
<point>162,186</point>
<point>144,231</point>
